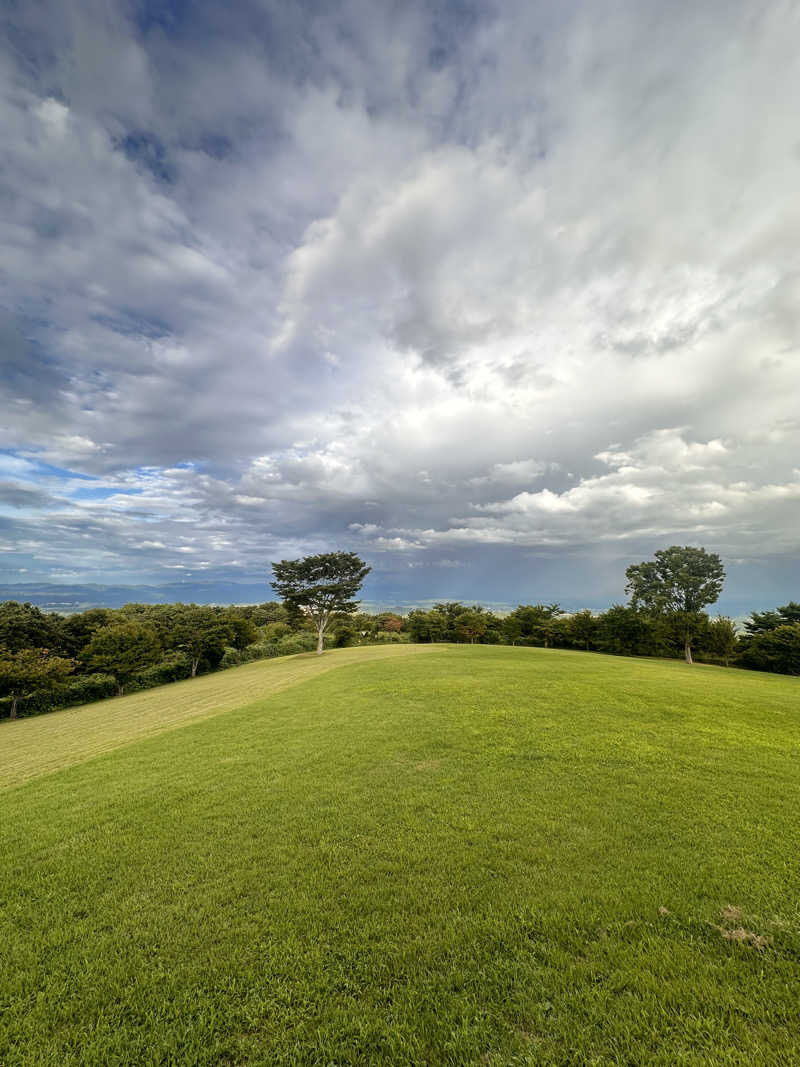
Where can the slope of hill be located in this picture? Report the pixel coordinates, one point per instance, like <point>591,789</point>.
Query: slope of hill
<point>472,855</point>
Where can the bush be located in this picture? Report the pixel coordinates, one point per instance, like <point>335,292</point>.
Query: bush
<point>79,690</point>
<point>88,688</point>
<point>275,631</point>
<point>232,657</point>
<point>33,704</point>
<point>294,643</point>
<point>172,668</point>
<point>261,650</point>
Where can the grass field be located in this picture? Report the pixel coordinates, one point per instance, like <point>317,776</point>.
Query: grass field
<point>441,855</point>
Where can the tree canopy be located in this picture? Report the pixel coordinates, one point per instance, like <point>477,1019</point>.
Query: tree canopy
<point>28,669</point>
<point>320,586</point>
<point>677,581</point>
<point>121,649</point>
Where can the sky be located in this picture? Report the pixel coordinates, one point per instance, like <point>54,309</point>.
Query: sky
<point>503,296</point>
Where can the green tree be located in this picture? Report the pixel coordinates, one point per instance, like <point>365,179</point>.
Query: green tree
<point>535,622</point>
<point>28,671</point>
<point>679,582</point>
<point>320,586</point>
<point>243,631</point>
<point>78,630</point>
<point>263,614</point>
<point>274,631</point>
<point>582,629</point>
<point>122,649</point>
<point>512,629</point>
<point>202,632</point>
<point>721,637</point>
<point>624,631</point>
<point>471,624</point>
<point>761,621</point>
<point>776,649</point>
<point>26,626</point>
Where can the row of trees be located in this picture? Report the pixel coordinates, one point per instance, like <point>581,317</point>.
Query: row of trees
<point>622,630</point>
<point>49,660</point>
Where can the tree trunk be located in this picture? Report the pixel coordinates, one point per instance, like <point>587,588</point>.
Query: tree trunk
<point>120,690</point>
<point>319,641</point>
<point>687,650</point>
<point>13,713</point>
<point>195,665</point>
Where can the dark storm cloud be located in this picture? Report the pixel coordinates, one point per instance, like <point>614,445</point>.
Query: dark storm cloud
<point>474,288</point>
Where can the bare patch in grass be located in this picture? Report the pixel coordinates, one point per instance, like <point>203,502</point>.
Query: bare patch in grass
<point>745,937</point>
<point>731,915</point>
<point>427,765</point>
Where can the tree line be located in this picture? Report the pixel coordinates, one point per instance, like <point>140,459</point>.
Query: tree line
<point>48,660</point>
<point>770,641</point>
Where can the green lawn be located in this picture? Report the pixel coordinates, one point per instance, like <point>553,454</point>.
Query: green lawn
<point>473,855</point>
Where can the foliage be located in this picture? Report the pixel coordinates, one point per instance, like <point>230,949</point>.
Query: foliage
<point>536,623</point>
<point>721,638</point>
<point>76,631</point>
<point>471,625</point>
<point>761,621</point>
<point>27,670</point>
<point>625,631</point>
<point>173,667</point>
<point>677,579</point>
<point>293,644</point>
<point>202,633</point>
<point>25,626</point>
<point>320,586</point>
<point>680,582</point>
<point>85,689</point>
<point>776,649</point>
<point>581,629</point>
<point>122,649</point>
<point>274,631</point>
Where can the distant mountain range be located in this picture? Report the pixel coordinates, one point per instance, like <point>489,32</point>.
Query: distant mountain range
<point>68,599</point>
<point>72,598</point>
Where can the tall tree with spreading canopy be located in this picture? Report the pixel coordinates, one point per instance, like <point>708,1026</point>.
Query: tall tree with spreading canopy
<point>320,586</point>
<point>678,581</point>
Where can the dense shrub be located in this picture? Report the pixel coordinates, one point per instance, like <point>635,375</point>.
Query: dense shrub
<point>300,642</point>
<point>81,690</point>
<point>172,668</point>
<point>776,650</point>
<point>261,650</point>
<point>88,688</point>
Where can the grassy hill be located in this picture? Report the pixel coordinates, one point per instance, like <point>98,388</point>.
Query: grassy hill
<point>413,855</point>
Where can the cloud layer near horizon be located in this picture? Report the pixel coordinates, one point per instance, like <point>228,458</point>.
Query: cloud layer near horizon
<point>487,292</point>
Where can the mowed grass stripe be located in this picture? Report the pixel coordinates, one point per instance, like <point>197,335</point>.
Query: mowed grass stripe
<point>483,856</point>
<point>42,744</point>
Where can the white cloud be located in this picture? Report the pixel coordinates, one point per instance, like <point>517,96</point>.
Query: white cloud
<point>299,289</point>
